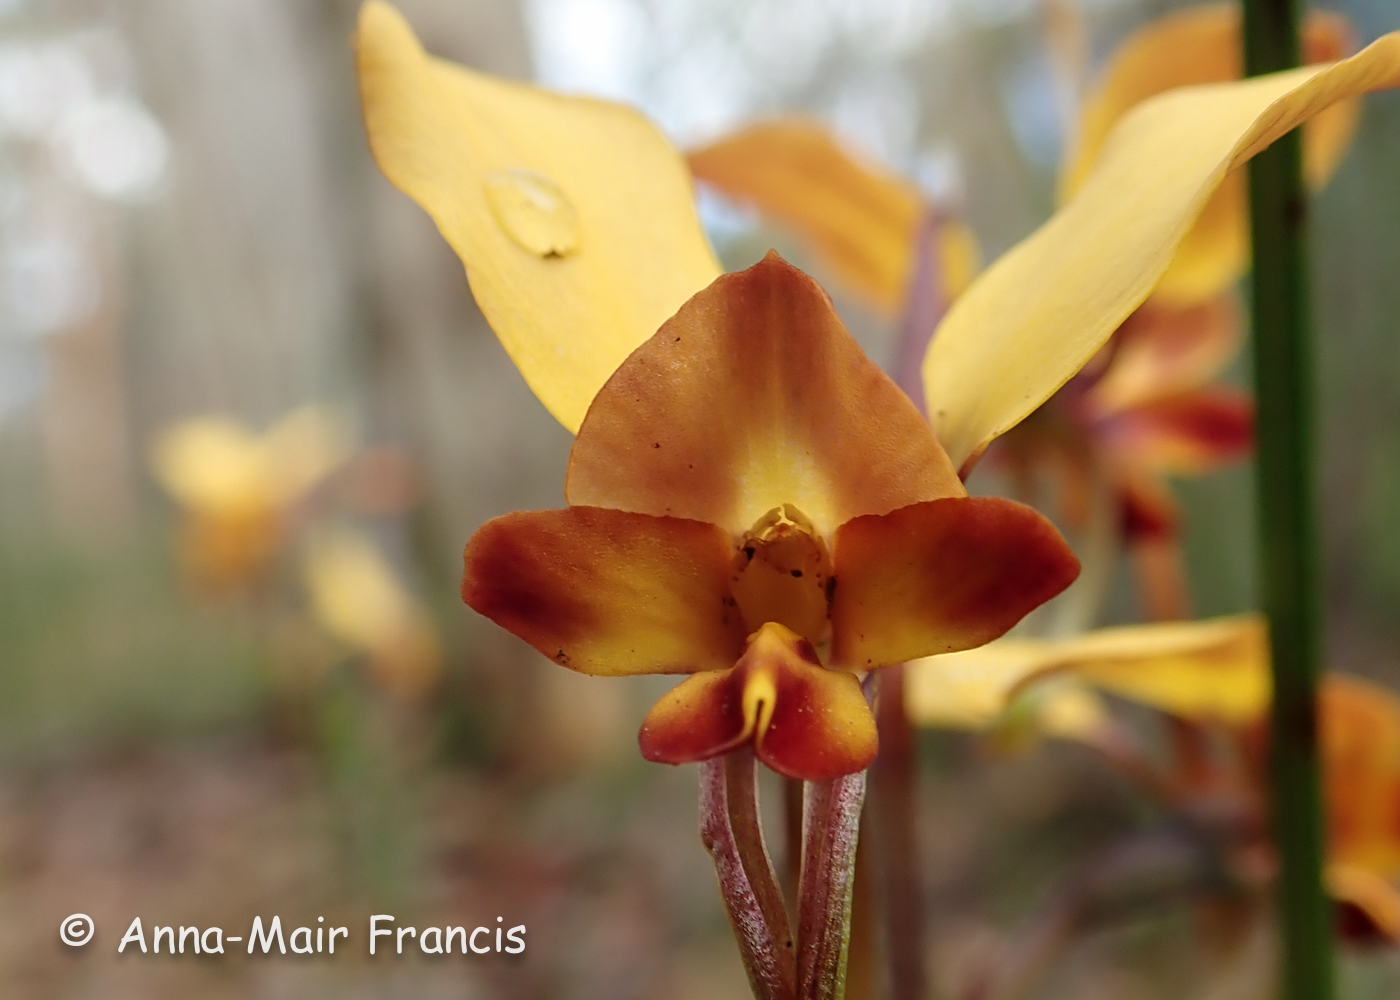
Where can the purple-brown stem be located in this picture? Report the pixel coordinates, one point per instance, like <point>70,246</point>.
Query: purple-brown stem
<point>924,306</point>
<point>732,833</point>
<point>893,776</point>
<point>832,828</point>
<point>893,801</point>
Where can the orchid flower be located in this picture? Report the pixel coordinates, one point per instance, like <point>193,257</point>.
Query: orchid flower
<point>1210,677</point>
<point>752,501</point>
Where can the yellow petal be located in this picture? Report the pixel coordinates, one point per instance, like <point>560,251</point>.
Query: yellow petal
<point>1215,670</point>
<point>1045,308</point>
<point>970,689</point>
<point>575,218</point>
<point>1071,711</point>
<point>1202,45</point>
<point>973,690</point>
<point>860,220</point>
<point>357,597</point>
<point>221,469</point>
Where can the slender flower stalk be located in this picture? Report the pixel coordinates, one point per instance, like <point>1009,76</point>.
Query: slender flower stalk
<point>731,832</point>
<point>831,832</point>
<point>1284,476</point>
<point>894,775</point>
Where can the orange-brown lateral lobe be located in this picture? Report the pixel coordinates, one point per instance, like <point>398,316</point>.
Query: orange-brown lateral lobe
<point>805,722</point>
<point>608,592</point>
<point>941,576</point>
<point>782,572</point>
<point>752,396</point>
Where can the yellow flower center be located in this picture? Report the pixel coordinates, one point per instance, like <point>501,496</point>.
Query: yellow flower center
<point>782,573</point>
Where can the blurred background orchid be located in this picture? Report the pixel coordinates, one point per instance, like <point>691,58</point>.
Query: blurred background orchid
<point>249,414</point>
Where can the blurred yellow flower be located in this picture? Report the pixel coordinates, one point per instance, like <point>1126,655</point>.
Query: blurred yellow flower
<point>237,488</point>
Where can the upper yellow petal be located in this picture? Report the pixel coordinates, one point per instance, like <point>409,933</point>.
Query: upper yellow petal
<point>1045,308</point>
<point>575,218</point>
<point>1201,45</point>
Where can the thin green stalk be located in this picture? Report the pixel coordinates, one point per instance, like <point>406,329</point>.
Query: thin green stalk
<point>1284,474</point>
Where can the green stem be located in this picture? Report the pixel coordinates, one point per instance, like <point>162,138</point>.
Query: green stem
<point>1284,476</point>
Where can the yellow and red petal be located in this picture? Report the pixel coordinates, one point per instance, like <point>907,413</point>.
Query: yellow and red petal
<point>1202,45</point>
<point>574,217</point>
<point>753,396</point>
<point>805,722</point>
<point>941,576</point>
<point>1162,351</point>
<point>608,592</point>
<point>701,717</point>
<point>1188,434</point>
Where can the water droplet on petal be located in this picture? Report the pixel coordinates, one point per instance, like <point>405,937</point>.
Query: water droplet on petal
<point>534,212</point>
